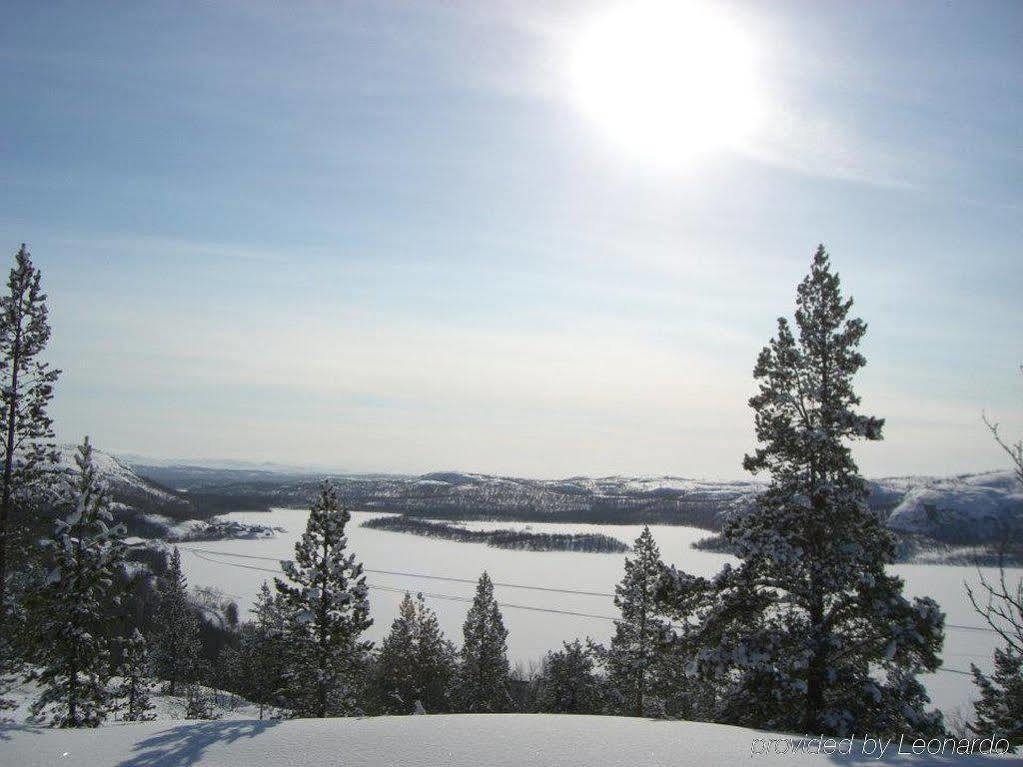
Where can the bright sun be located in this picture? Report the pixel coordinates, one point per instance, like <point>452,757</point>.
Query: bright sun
<point>668,81</point>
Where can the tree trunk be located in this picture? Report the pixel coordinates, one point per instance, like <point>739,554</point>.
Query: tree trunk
<point>815,671</point>
<point>7,495</point>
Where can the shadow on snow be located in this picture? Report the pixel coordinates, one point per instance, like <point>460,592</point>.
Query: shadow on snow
<point>186,744</point>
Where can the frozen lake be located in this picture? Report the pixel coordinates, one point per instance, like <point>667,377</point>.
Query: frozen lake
<point>532,632</point>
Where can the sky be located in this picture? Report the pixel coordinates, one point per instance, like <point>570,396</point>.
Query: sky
<point>427,235</point>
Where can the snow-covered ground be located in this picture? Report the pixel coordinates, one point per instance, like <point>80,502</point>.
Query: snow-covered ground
<point>501,740</point>
<point>534,631</point>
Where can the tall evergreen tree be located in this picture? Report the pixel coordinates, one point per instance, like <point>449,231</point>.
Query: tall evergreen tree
<point>482,681</point>
<point>567,683</point>
<point>637,648</point>
<point>810,632</point>
<point>26,433</point>
<point>133,691</point>
<point>73,652</point>
<point>415,662</point>
<point>176,645</point>
<point>326,611</point>
<point>437,661</point>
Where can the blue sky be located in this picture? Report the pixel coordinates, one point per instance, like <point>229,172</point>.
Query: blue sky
<point>384,236</point>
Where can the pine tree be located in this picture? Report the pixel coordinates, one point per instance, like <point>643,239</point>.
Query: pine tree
<point>482,681</point>
<point>73,652</point>
<point>26,433</point>
<point>133,691</point>
<point>394,677</point>
<point>810,632</point>
<point>326,609</point>
<point>256,667</point>
<point>415,662</point>
<point>637,648</point>
<point>176,644</point>
<point>567,683</point>
<point>436,661</point>
<point>1000,708</point>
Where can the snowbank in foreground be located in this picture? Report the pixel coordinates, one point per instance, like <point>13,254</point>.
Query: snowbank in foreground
<point>421,741</point>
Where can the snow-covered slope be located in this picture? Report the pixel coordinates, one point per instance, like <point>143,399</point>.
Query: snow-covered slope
<point>963,509</point>
<point>496,740</point>
<point>165,707</point>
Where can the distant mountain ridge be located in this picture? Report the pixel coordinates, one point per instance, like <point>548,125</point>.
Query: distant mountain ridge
<point>968,508</point>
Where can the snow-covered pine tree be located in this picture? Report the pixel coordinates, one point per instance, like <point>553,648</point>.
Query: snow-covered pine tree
<point>26,446</point>
<point>636,653</point>
<point>133,691</point>
<point>394,685</point>
<point>415,662</point>
<point>175,641</point>
<point>1000,708</point>
<point>76,600</point>
<point>257,665</point>
<point>810,632</point>
<point>326,609</point>
<point>481,685</point>
<point>567,683</point>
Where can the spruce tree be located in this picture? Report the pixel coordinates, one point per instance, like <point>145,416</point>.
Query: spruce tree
<point>176,646</point>
<point>567,683</point>
<point>73,650</point>
<point>482,681</point>
<point>326,610</point>
<point>133,691</point>
<point>415,662</point>
<point>810,633</point>
<point>637,648</point>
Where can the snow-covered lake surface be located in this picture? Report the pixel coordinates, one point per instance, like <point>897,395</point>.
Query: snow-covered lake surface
<point>533,632</point>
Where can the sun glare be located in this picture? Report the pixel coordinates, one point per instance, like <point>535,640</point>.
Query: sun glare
<point>667,81</point>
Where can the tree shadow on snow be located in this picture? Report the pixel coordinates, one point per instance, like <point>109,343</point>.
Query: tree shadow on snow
<point>186,744</point>
<point>6,728</point>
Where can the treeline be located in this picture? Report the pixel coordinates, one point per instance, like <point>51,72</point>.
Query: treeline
<point>525,540</point>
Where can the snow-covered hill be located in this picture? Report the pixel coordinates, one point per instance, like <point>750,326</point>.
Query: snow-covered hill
<point>151,510</point>
<point>147,508</point>
<point>480,740</point>
<point>963,509</point>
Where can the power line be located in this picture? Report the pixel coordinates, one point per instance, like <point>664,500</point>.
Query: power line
<point>957,626</point>
<point>425,576</point>
<point>448,597</point>
<point>454,598</point>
